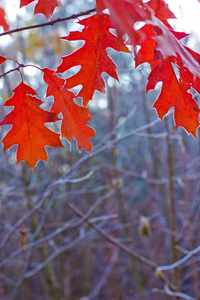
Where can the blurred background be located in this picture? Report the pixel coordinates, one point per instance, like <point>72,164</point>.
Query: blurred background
<point>74,228</point>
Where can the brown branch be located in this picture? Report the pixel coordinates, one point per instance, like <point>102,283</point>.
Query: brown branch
<point>10,71</point>
<point>74,16</point>
<point>121,246</point>
<point>111,239</point>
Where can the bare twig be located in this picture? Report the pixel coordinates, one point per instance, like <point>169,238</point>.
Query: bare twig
<point>173,294</point>
<point>121,246</point>
<point>180,261</point>
<point>102,281</point>
<point>111,239</point>
<point>58,251</point>
<point>75,223</point>
<point>10,71</point>
<point>177,294</point>
<point>48,191</point>
<point>74,16</point>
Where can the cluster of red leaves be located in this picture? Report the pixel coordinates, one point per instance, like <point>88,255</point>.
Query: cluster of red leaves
<point>162,49</point>
<point>160,46</point>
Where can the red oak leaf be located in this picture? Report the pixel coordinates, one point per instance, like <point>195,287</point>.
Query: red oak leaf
<point>25,2</point>
<point>92,57</point>
<point>148,52</point>
<point>100,6</point>
<point>174,93</point>
<point>148,46</point>
<point>28,130</point>
<point>75,118</point>
<point>125,13</point>
<point>186,76</point>
<point>168,44</point>
<point>162,11</point>
<point>3,21</point>
<point>2,59</point>
<point>45,7</point>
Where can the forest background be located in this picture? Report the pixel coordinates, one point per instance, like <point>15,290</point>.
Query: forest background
<point>121,223</point>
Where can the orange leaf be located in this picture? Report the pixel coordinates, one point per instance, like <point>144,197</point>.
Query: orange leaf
<point>92,57</point>
<point>75,118</point>
<point>28,130</point>
<point>174,93</point>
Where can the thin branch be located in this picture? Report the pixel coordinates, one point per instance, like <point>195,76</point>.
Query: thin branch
<point>74,16</point>
<point>39,204</point>
<point>180,261</point>
<point>10,71</point>
<point>177,294</point>
<point>57,252</point>
<point>80,179</point>
<point>104,278</point>
<point>73,224</point>
<point>173,294</point>
<point>50,236</point>
<point>121,246</point>
<point>110,238</point>
<point>107,145</point>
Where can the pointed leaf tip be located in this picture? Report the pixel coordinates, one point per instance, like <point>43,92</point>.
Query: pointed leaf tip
<point>28,127</point>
